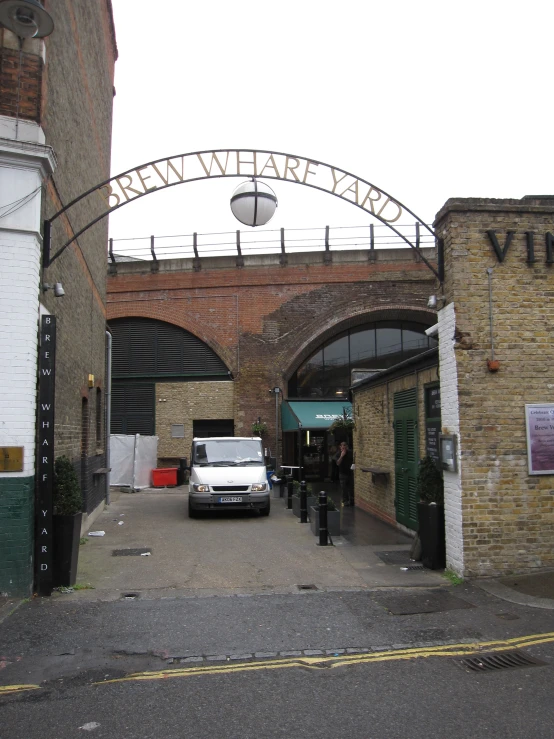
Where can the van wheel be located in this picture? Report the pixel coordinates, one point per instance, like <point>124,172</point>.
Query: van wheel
<point>192,512</point>
<point>265,511</point>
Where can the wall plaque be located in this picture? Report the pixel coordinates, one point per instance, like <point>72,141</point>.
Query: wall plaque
<point>11,459</point>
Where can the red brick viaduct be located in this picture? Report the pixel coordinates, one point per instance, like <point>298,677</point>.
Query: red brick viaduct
<point>263,317</point>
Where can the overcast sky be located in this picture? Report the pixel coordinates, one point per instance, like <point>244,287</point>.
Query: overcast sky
<point>426,100</point>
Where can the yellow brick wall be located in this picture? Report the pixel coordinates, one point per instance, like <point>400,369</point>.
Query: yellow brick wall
<point>183,402</point>
<point>374,439</point>
<point>508,515</point>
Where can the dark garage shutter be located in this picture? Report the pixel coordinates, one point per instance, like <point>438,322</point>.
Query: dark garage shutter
<point>213,427</point>
<point>143,347</point>
<point>132,408</point>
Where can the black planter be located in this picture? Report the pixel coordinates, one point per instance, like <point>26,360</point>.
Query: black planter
<point>333,521</point>
<point>431,535</point>
<point>310,501</point>
<point>67,535</point>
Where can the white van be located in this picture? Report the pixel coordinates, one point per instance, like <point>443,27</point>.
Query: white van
<point>228,472</point>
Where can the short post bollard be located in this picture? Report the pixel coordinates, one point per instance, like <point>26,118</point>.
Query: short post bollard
<point>323,533</point>
<point>290,488</point>
<point>303,502</point>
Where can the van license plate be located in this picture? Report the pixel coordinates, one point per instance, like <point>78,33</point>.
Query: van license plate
<point>231,499</point>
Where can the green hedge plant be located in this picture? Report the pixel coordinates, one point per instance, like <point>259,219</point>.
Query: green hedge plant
<point>430,485</point>
<point>67,497</point>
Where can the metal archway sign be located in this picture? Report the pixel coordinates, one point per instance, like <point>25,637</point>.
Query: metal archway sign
<point>157,175</point>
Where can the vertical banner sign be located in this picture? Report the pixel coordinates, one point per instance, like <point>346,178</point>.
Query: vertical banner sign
<point>45,455</point>
<point>433,423</point>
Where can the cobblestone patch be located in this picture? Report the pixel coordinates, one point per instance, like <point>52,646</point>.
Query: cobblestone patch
<point>287,654</point>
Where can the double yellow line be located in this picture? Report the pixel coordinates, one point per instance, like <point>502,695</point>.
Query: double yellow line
<point>7,689</point>
<point>327,662</point>
<point>324,662</point>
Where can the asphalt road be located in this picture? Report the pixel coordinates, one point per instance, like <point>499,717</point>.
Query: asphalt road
<point>356,661</point>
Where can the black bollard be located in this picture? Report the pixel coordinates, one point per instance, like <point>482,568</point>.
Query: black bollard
<point>290,488</point>
<point>323,533</point>
<point>303,502</point>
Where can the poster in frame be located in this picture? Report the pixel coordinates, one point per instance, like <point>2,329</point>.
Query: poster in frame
<point>539,422</point>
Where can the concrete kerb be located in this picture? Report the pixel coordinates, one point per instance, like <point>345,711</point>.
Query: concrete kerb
<point>499,590</point>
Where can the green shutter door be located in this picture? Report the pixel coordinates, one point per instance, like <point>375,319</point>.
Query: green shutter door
<point>405,457</point>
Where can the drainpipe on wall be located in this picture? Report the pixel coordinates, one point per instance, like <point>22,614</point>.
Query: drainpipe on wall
<point>493,364</point>
<point>108,402</point>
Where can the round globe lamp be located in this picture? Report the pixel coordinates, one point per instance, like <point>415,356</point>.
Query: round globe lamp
<point>253,203</point>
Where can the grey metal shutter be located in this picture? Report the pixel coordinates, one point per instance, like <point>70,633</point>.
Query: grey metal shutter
<point>133,407</point>
<point>143,347</point>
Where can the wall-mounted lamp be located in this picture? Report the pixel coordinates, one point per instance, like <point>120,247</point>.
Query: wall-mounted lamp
<point>433,301</point>
<point>57,287</point>
<point>26,18</point>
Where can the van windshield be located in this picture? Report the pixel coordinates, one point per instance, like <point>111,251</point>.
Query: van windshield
<point>227,452</point>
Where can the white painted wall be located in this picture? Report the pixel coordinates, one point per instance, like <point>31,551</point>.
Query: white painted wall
<point>23,167</point>
<point>450,420</point>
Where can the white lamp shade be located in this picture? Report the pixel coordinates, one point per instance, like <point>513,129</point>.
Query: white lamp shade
<point>253,203</point>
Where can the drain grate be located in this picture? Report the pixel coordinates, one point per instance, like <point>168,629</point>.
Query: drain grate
<point>413,567</point>
<point>307,587</point>
<point>129,596</point>
<point>498,661</point>
<point>131,552</point>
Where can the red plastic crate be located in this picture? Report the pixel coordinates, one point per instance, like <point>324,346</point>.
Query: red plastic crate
<point>164,477</point>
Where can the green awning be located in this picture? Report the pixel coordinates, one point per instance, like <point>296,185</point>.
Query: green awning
<point>312,414</point>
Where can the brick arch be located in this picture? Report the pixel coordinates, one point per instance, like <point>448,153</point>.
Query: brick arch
<point>345,318</point>
<point>159,312</point>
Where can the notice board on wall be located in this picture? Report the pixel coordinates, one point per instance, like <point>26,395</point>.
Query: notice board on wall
<point>539,422</point>
<point>432,422</point>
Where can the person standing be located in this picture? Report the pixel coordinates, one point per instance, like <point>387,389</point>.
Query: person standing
<point>344,461</point>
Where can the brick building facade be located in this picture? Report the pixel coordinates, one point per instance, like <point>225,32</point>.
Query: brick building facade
<point>499,517</point>
<point>55,137</point>
<point>494,360</point>
<point>263,319</point>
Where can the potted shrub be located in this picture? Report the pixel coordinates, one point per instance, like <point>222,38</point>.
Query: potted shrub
<point>259,428</point>
<point>333,518</point>
<point>430,513</point>
<point>67,507</point>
